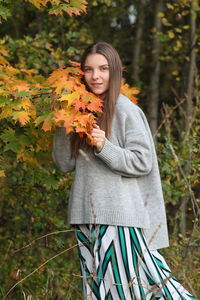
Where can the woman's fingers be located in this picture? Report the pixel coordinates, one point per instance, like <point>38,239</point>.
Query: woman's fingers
<point>97,132</point>
<point>96,126</point>
<point>99,136</point>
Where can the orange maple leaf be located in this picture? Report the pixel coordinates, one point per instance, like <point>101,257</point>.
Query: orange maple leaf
<point>79,105</point>
<point>21,86</point>
<point>83,119</point>
<point>94,106</point>
<point>47,125</point>
<point>74,63</point>
<point>70,12</point>
<point>129,92</point>
<point>65,117</point>
<point>63,84</point>
<point>81,129</point>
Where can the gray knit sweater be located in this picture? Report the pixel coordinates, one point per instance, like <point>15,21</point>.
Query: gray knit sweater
<point>121,184</point>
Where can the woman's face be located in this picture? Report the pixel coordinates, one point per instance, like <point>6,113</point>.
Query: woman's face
<point>97,73</point>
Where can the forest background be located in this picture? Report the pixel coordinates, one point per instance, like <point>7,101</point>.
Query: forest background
<point>158,42</point>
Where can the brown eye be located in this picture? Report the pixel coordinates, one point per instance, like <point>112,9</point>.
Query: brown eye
<point>105,68</point>
<point>87,70</point>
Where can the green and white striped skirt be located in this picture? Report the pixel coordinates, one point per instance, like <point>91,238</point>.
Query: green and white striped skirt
<point>117,264</point>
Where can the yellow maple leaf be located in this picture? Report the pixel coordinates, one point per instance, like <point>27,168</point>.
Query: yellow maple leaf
<point>84,119</point>
<point>23,155</point>
<point>2,173</point>
<point>6,112</point>
<point>79,5</point>
<point>11,70</point>
<point>26,104</point>
<point>3,61</point>
<point>70,98</point>
<point>38,3</point>
<point>3,50</point>
<point>3,92</point>
<point>4,78</point>
<point>60,85</point>
<point>29,71</point>
<point>22,116</point>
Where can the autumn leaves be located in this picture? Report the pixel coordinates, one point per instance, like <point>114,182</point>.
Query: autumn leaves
<point>62,98</point>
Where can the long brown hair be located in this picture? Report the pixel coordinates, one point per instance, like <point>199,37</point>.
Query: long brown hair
<point>115,77</point>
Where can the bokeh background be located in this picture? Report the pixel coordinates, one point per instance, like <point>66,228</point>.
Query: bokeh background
<point>158,42</point>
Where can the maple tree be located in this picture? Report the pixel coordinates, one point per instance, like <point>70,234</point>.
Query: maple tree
<point>31,101</point>
<point>71,7</point>
<point>33,191</point>
<point>55,7</point>
<point>36,103</point>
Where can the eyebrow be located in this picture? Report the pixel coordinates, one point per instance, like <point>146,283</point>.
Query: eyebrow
<point>106,65</point>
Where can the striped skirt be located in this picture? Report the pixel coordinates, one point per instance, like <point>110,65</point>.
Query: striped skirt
<point>117,264</point>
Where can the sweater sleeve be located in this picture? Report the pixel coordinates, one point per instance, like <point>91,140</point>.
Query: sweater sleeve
<point>61,153</point>
<point>135,158</point>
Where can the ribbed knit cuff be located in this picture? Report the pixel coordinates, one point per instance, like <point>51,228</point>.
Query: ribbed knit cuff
<point>108,153</point>
<point>61,132</point>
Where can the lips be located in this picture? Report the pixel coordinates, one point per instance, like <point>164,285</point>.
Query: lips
<point>96,84</point>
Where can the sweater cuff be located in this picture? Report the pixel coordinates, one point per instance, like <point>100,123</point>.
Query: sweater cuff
<point>60,131</point>
<point>108,153</point>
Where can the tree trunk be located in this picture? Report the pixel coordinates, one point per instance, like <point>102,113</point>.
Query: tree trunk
<point>189,98</point>
<point>138,39</point>
<point>155,74</point>
<point>192,65</point>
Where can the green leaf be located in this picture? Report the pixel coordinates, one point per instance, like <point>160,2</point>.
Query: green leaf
<point>22,94</point>
<point>42,118</point>
<point>4,101</point>
<point>11,140</point>
<point>4,12</point>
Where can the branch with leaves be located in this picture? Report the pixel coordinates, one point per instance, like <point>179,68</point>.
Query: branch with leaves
<point>34,103</point>
<point>55,7</point>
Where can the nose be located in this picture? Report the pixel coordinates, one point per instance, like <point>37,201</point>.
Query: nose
<point>95,74</point>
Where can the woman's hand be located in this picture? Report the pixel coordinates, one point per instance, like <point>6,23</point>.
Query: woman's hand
<point>99,136</point>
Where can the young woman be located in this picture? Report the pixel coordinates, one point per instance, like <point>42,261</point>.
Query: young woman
<point>116,200</point>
